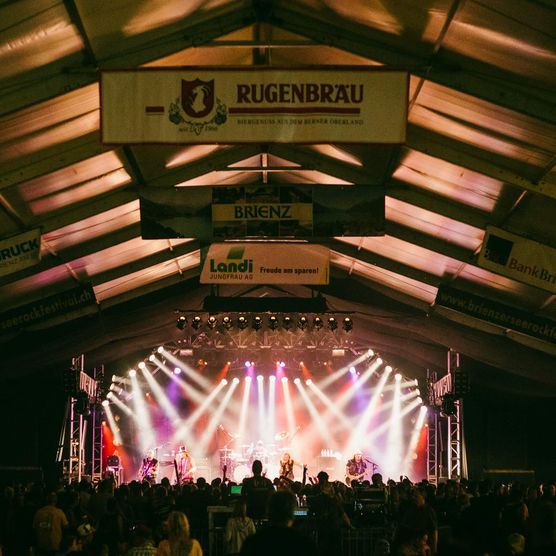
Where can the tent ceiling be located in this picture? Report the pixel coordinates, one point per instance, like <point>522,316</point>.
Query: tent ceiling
<point>480,150</point>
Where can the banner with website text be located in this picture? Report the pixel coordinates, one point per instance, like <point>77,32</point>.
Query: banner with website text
<point>262,211</point>
<point>519,258</point>
<point>20,251</point>
<point>262,105</point>
<point>497,313</point>
<point>266,263</point>
<point>47,308</point>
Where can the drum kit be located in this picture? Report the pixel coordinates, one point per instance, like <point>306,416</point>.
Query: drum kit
<point>238,463</point>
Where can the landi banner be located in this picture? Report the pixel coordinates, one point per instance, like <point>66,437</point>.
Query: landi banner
<point>261,211</point>
<point>266,263</point>
<point>245,105</point>
<point>20,251</point>
<point>519,258</point>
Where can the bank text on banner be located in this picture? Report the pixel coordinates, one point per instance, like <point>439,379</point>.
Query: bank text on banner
<point>497,313</point>
<point>266,263</point>
<point>242,105</point>
<point>519,258</point>
<point>262,212</point>
<point>20,251</point>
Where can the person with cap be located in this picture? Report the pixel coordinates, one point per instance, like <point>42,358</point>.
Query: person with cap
<point>185,466</point>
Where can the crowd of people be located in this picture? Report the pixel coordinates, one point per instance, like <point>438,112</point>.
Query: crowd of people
<point>163,519</point>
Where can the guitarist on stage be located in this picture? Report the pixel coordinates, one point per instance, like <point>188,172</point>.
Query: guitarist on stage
<point>355,468</point>
<point>149,468</point>
<point>185,466</point>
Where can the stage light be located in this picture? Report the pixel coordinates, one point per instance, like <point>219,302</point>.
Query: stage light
<point>388,369</point>
<point>151,357</point>
<point>297,380</point>
<point>114,378</point>
<point>105,403</point>
<point>348,324</point>
<point>260,378</point>
<point>281,364</point>
<point>308,382</point>
<point>397,376</point>
<point>242,322</point>
<point>211,322</point>
<point>177,370</point>
<point>132,373</point>
<point>273,322</point>
<point>110,395</point>
<point>224,382</point>
<point>332,324</point>
<point>235,380</point>
<point>420,400</point>
<point>227,322</point>
<point>317,323</point>
<point>352,370</point>
<point>181,322</point>
<point>287,322</point>
<point>142,365</point>
<point>196,322</point>
<point>272,378</point>
<point>247,378</point>
<point>257,322</point>
<point>247,364</point>
<point>284,379</point>
<point>370,352</point>
<point>302,322</point>
<point>112,386</point>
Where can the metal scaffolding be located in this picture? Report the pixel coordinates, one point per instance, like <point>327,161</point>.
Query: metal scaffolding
<point>72,447</point>
<point>445,434</point>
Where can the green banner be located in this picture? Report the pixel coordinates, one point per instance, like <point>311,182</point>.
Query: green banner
<point>497,313</point>
<point>46,308</point>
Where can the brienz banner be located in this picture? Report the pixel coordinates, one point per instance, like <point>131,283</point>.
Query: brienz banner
<point>519,258</point>
<point>497,313</point>
<point>46,308</point>
<point>266,263</point>
<point>262,212</point>
<point>246,105</point>
<point>19,252</point>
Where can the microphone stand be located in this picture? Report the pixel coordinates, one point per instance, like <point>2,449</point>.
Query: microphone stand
<point>375,466</point>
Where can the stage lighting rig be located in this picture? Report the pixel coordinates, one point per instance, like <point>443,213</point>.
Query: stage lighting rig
<point>332,323</point>
<point>302,322</point>
<point>212,322</point>
<point>317,323</point>
<point>196,322</point>
<point>227,322</point>
<point>348,324</point>
<point>257,322</point>
<point>181,322</point>
<point>273,322</point>
<point>287,322</point>
<point>242,322</point>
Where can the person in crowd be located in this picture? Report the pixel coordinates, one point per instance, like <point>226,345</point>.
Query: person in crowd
<point>149,468</point>
<point>330,516</point>
<point>355,468</point>
<point>238,527</point>
<point>278,538</point>
<point>179,541</point>
<point>48,525</point>
<point>257,490</point>
<point>185,466</point>
<point>141,542</point>
<point>418,524</point>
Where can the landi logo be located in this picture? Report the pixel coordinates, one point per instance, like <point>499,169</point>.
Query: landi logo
<point>198,109</point>
<point>236,263</point>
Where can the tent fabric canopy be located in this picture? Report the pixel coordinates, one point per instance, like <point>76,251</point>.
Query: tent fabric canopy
<point>480,151</point>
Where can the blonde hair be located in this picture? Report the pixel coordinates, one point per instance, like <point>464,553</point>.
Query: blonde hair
<point>179,534</point>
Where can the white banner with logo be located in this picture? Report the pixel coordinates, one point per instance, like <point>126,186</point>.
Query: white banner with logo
<point>20,252</point>
<point>519,258</point>
<point>266,263</point>
<point>243,105</point>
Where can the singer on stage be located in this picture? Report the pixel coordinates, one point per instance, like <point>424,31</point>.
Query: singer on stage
<point>149,468</point>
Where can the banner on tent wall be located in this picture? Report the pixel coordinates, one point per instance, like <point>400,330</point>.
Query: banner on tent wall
<point>266,263</point>
<point>46,308</point>
<point>261,105</point>
<point>20,251</point>
<point>519,258</point>
<point>497,313</point>
<point>262,211</point>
